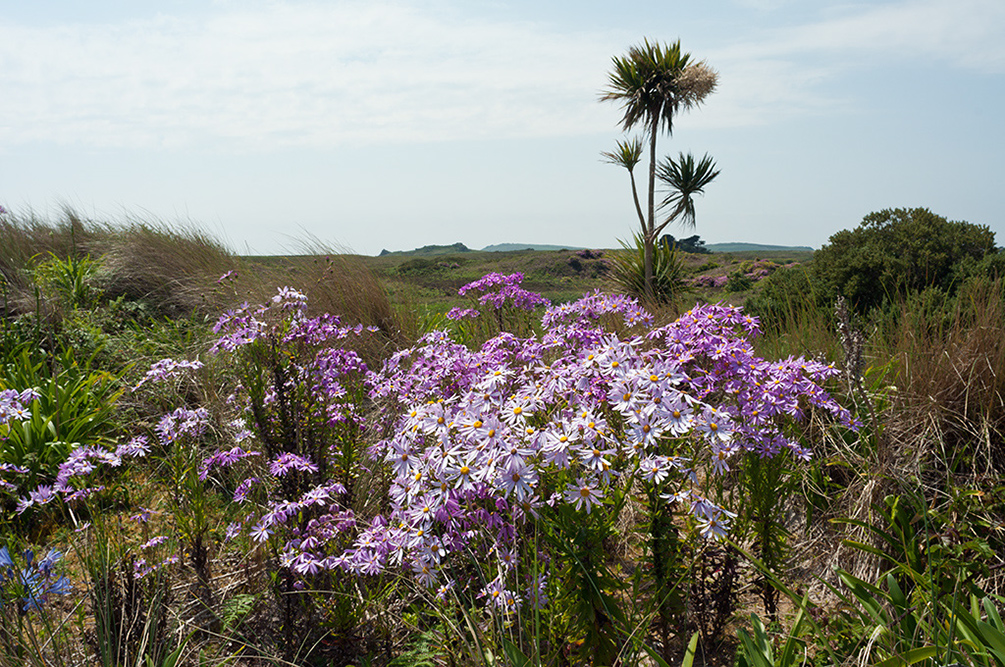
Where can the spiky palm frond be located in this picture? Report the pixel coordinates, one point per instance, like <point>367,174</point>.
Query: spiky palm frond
<point>628,270</point>
<point>627,155</point>
<point>685,177</point>
<point>657,81</point>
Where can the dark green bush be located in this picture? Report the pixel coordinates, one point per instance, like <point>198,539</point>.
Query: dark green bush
<point>896,252</point>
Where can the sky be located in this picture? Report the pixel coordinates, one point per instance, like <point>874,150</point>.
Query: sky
<point>393,124</point>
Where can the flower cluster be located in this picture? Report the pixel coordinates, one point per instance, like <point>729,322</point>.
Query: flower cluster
<point>182,422</point>
<point>487,438</point>
<point>30,586</point>
<point>167,369</point>
<point>10,468</point>
<point>462,313</point>
<point>303,371</point>
<point>479,442</point>
<point>14,405</point>
<point>150,560</point>
<point>501,291</point>
<point>81,462</point>
<point>591,310</point>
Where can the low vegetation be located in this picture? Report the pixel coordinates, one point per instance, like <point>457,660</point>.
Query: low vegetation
<point>492,458</point>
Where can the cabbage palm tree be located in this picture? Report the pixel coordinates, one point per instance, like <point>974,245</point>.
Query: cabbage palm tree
<point>653,83</point>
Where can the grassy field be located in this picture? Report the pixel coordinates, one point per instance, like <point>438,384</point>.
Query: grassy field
<point>430,284</point>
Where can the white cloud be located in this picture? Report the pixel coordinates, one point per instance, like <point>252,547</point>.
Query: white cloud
<point>965,33</point>
<point>785,72</point>
<point>260,76</point>
<point>297,74</point>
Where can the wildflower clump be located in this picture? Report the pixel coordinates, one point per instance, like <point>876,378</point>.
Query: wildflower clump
<point>479,444</point>
<point>487,441</point>
<point>508,302</point>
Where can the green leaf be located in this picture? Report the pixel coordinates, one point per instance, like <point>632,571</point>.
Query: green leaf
<point>788,656</point>
<point>692,647</point>
<point>992,636</point>
<point>660,662</point>
<point>992,613</point>
<point>910,657</point>
<point>752,654</point>
<point>515,655</point>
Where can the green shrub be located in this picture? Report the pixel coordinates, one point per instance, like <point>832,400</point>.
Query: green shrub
<point>418,266</point>
<point>70,278</point>
<point>707,266</point>
<point>896,252</point>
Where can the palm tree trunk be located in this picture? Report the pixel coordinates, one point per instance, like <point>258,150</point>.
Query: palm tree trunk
<point>649,233</point>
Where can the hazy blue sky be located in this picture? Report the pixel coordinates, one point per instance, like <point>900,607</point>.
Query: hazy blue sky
<point>394,124</point>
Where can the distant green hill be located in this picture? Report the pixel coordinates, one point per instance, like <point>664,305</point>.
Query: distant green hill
<point>432,250</point>
<point>510,247</point>
<point>429,250</point>
<point>756,247</point>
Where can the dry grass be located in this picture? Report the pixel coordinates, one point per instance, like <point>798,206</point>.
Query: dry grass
<point>175,270</point>
<point>936,383</point>
<point>335,282</point>
<point>952,372</point>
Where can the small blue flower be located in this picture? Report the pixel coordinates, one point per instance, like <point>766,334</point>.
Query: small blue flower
<point>31,585</point>
<point>50,560</point>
